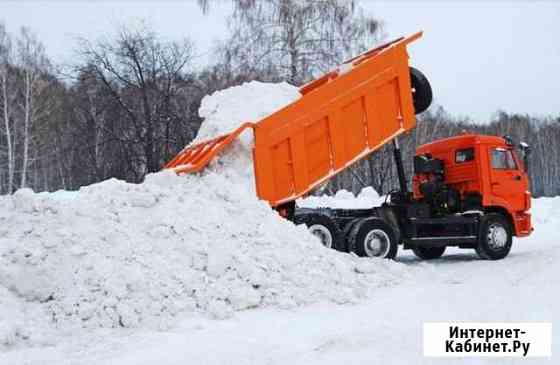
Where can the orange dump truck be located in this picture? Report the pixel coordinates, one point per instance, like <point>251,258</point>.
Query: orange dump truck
<point>459,198</point>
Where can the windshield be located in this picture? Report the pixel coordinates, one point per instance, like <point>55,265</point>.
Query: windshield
<point>502,159</point>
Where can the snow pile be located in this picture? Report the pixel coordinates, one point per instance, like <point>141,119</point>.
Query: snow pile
<point>123,255</point>
<point>225,110</point>
<point>546,212</point>
<point>367,198</point>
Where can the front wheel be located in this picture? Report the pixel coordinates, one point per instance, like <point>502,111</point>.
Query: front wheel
<point>495,237</point>
<point>373,237</point>
<point>428,253</point>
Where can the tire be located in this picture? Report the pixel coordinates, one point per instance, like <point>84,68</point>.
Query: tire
<point>373,230</point>
<point>429,253</point>
<point>324,228</point>
<point>422,91</point>
<point>494,238</point>
<point>346,233</point>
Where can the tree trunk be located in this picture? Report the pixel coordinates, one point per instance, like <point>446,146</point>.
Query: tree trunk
<point>26,125</point>
<point>10,151</point>
<point>151,163</point>
<point>293,52</point>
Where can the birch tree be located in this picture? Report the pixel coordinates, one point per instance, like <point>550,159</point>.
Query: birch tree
<point>7,96</point>
<point>298,39</point>
<point>32,62</point>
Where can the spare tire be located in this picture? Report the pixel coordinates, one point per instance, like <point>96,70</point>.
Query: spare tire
<point>421,90</point>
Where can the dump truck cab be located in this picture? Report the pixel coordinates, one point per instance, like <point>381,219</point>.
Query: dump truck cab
<point>469,191</point>
<point>487,175</point>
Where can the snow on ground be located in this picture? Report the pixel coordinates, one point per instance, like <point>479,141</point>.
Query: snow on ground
<point>384,329</point>
<point>120,255</point>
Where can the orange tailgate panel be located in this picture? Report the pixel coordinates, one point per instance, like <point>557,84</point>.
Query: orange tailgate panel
<point>338,121</point>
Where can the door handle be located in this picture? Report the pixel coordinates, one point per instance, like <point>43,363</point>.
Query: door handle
<point>517,177</point>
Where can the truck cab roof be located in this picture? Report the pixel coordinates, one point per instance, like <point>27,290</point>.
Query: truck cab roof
<point>458,142</point>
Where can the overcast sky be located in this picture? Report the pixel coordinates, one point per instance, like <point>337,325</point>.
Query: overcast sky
<point>480,56</point>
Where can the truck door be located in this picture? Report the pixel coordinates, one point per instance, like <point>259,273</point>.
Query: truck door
<point>507,178</point>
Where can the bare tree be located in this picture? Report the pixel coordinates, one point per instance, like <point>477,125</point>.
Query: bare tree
<point>143,74</point>
<point>32,62</point>
<point>297,39</point>
<point>7,102</point>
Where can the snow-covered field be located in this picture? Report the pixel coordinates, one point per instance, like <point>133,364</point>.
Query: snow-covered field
<point>196,270</point>
<point>385,328</point>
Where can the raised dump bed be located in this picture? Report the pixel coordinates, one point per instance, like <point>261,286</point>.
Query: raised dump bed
<point>340,118</point>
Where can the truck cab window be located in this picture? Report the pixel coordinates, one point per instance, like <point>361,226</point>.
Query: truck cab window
<point>464,155</point>
<point>502,159</point>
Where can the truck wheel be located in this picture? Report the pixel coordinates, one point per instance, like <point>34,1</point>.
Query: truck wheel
<point>322,227</point>
<point>372,237</point>
<point>346,233</point>
<point>429,253</point>
<point>495,237</point>
<point>422,91</point>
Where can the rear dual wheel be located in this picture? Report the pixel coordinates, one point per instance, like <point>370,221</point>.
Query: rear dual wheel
<point>323,233</point>
<point>372,237</point>
<point>322,227</point>
<point>368,237</point>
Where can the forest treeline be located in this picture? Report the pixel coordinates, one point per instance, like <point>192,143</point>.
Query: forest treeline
<point>130,100</point>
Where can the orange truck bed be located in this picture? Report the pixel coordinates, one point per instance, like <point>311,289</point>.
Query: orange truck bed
<point>341,118</point>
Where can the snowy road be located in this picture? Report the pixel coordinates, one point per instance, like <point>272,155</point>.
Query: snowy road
<point>385,329</point>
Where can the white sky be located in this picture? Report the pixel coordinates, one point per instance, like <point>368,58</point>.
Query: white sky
<point>480,56</point>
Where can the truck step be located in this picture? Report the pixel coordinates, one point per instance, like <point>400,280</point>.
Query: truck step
<point>440,241</point>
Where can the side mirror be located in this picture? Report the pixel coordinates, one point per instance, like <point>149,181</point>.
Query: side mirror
<point>508,140</point>
<point>526,149</point>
